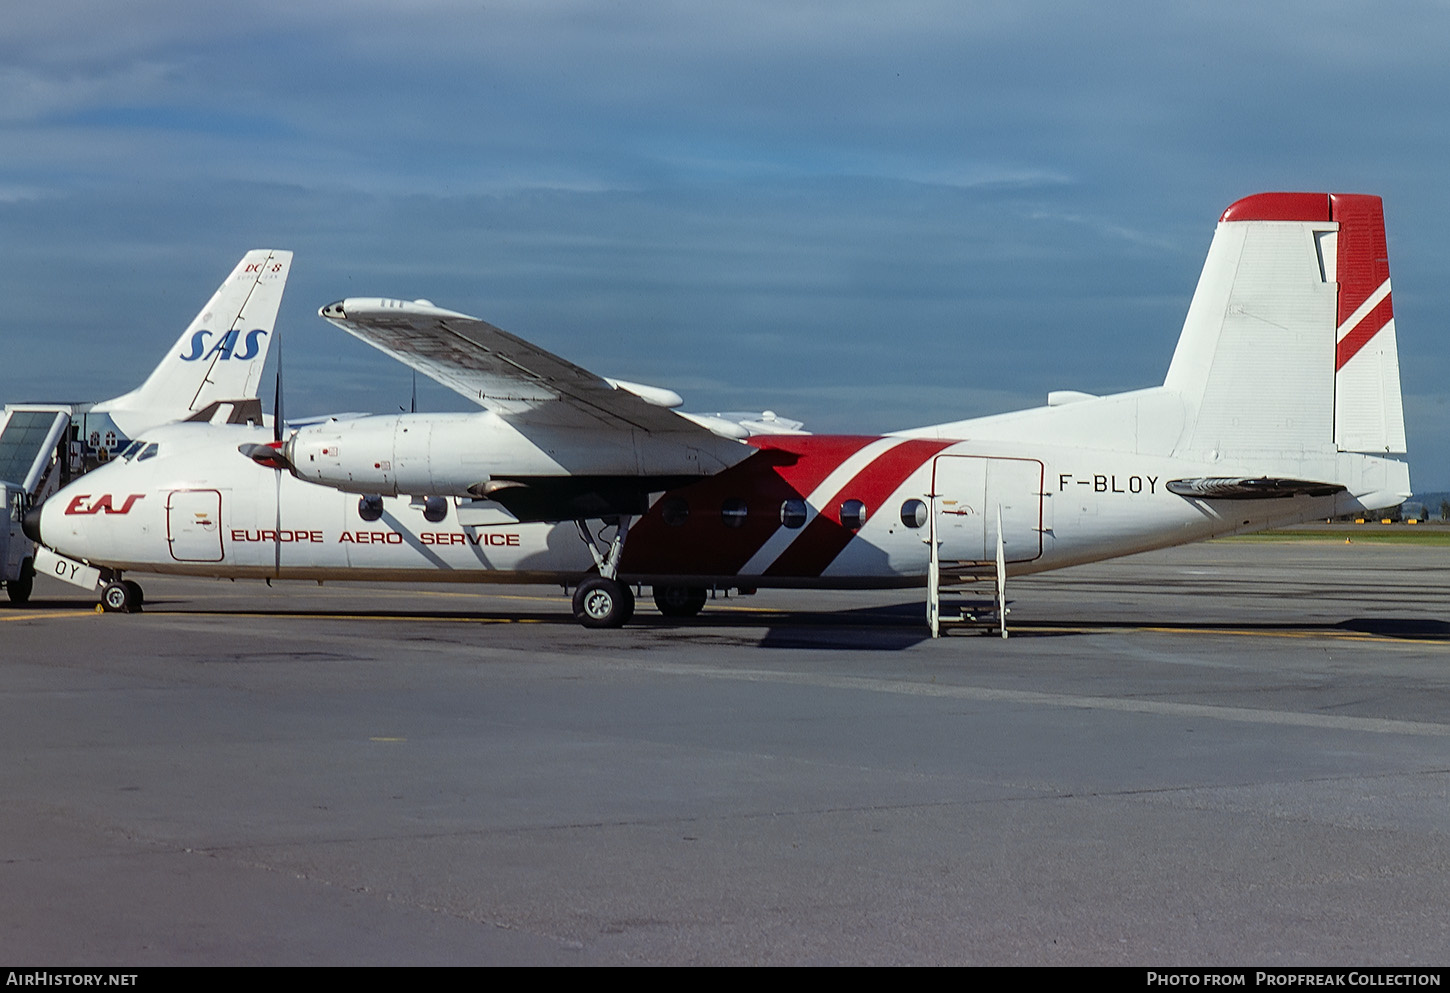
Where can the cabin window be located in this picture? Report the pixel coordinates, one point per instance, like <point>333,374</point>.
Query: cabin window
<point>793,513</point>
<point>853,515</point>
<point>674,510</point>
<point>733,512</point>
<point>913,513</point>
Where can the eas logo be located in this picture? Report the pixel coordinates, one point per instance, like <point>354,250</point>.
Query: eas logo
<point>79,506</point>
<point>224,345</point>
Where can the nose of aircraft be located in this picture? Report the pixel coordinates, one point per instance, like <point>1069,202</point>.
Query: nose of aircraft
<point>30,524</point>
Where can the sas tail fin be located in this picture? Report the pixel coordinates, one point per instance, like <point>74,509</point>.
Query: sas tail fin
<point>219,357</point>
<point>1289,344</point>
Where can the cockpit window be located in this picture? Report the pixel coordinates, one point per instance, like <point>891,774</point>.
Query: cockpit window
<point>132,449</point>
<point>148,453</point>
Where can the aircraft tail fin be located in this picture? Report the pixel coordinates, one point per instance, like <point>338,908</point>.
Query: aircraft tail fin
<point>1289,344</point>
<point>219,357</point>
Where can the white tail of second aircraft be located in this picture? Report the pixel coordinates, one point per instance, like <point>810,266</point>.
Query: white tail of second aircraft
<point>219,357</point>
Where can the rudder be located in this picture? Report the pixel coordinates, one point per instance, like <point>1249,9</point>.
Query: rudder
<point>1368,411</point>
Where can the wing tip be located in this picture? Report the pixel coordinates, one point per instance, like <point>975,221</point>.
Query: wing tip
<point>363,308</point>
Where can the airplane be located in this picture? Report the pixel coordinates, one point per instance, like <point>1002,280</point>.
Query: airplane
<point>213,370</point>
<point>1281,404</point>
<point>210,374</point>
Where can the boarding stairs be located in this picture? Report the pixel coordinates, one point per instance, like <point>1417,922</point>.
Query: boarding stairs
<point>965,593</point>
<point>34,447</point>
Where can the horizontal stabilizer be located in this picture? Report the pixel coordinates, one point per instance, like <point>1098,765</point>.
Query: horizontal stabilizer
<point>246,411</point>
<point>1242,488</point>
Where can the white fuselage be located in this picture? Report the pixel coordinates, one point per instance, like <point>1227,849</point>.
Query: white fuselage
<point>197,506</point>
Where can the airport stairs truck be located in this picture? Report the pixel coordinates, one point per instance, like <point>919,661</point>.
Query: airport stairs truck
<point>36,459</point>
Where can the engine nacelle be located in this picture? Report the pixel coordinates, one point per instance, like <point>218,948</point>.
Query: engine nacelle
<point>462,454</point>
<point>409,453</point>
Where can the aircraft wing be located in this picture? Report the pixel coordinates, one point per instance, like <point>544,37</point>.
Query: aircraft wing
<point>512,377</point>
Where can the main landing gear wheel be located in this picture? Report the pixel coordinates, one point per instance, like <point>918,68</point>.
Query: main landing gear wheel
<point>121,597</point>
<point>603,603</point>
<point>680,601</point>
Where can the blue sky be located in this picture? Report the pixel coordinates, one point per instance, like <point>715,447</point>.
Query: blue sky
<point>865,215</point>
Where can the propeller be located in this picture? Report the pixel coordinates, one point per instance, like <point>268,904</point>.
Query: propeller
<point>270,455</point>
<point>413,406</point>
<point>277,397</point>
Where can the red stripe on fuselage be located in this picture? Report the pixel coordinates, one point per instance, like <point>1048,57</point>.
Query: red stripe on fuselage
<point>785,467</point>
<point>825,537</point>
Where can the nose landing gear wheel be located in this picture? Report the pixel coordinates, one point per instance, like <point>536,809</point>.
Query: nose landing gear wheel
<point>603,603</point>
<point>121,597</point>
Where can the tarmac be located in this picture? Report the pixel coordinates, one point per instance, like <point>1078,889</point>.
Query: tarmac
<point>1235,753</point>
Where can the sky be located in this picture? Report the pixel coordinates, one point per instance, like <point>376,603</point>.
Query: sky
<point>866,216</point>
